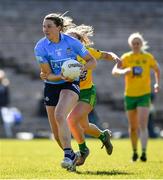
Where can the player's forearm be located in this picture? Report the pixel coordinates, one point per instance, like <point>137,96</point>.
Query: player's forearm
<point>117,71</point>
<point>109,56</point>
<point>90,64</point>
<point>52,77</point>
<point>157,76</point>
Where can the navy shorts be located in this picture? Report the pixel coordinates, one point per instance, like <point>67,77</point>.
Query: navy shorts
<point>52,91</point>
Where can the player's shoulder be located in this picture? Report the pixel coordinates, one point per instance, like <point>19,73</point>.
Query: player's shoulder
<point>41,42</point>
<point>148,54</point>
<point>126,55</point>
<point>69,38</point>
<point>91,49</point>
<point>95,52</point>
<point>73,42</point>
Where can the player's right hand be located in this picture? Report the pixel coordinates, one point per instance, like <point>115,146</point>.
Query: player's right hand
<point>43,76</point>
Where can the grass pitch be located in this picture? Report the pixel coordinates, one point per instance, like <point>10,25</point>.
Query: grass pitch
<point>40,159</point>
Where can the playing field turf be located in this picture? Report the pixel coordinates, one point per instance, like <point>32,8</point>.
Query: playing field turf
<point>40,159</point>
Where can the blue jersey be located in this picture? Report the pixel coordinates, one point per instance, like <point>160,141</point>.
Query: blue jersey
<point>55,54</point>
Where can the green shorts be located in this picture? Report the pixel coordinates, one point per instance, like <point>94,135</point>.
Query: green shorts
<point>88,96</point>
<point>138,101</point>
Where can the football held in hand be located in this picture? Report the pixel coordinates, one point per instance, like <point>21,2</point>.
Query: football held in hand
<point>71,69</point>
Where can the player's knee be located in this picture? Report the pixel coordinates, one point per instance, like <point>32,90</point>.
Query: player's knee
<point>71,119</point>
<point>143,127</point>
<point>133,129</point>
<point>60,117</point>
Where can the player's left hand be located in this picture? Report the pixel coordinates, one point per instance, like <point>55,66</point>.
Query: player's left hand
<point>66,78</point>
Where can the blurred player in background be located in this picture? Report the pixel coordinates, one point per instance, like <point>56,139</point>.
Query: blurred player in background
<point>135,67</point>
<point>60,94</point>
<point>78,117</point>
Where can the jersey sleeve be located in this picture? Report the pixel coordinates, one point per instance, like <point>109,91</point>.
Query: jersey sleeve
<point>80,48</point>
<point>40,54</point>
<point>153,62</point>
<point>95,53</point>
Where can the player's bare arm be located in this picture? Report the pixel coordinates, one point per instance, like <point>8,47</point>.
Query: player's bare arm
<point>110,56</point>
<point>157,78</point>
<point>90,62</point>
<point>118,70</point>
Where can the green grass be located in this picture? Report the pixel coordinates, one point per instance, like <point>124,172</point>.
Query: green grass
<point>41,159</point>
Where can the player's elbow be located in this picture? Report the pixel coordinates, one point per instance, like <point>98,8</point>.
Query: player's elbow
<point>113,72</point>
<point>94,63</point>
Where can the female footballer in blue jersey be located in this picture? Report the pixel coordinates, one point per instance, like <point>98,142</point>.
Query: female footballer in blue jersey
<point>78,117</point>
<point>60,93</point>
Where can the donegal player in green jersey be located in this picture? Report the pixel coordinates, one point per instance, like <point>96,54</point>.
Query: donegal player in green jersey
<point>135,67</point>
<point>78,117</point>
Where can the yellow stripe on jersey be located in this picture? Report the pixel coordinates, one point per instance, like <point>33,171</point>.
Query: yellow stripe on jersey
<point>86,80</point>
<point>137,85</point>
